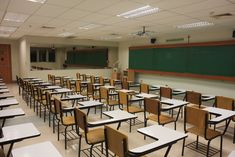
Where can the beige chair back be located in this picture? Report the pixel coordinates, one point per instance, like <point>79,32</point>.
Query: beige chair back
<point>193,97</point>
<point>116,142</point>
<point>80,119</point>
<point>144,88</point>
<point>166,92</point>
<point>152,106</point>
<point>224,102</point>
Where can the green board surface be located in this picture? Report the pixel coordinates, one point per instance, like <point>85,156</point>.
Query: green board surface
<point>90,58</point>
<point>204,60</point>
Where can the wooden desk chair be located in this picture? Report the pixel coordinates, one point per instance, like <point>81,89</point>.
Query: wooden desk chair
<point>153,107</point>
<point>108,98</point>
<point>79,89</point>
<point>194,98</point>
<point>51,109</point>
<point>42,103</point>
<point>92,93</point>
<point>165,92</point>
<point>49,77</point>
<point>116,142</point>
<point>125,85</point>
<point>199,127</point>
<point>83,77</point>
<point>92,137</point>
<point>228,104</point>
<point>63,118</point>
<point>124,103</point>
<point>144,88</point>
<point>78,75</point>
<point>93,79</point>
<point>101,80</point>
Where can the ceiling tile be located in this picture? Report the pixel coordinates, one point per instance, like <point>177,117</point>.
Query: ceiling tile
<point>58,22</point>
<point>122,6</point>
<point>3,5</point>
<point>64,3</point>
<point>1,14</point>
<point>38,19</point>
<point>74,14</point>
<point>50,10</point>
<point>95,6</point>
<point>9,23</point>
<point>94,18</point>
<point>23,6</point>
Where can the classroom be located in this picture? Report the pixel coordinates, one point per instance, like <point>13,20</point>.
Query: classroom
<point>117,78</point>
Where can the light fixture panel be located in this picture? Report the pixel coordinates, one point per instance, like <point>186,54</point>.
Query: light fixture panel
<point>15,17</point>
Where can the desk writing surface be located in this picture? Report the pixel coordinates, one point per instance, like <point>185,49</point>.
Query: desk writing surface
<point>163,135</point>
<point>11,112</point>
<point>7,102</point>
<point>44,149</point>
<point>119,114</point>
<point>4,91</point>
<point>6,95</point>
<point>18,132</point>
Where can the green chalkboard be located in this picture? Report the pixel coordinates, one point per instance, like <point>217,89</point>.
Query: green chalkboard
<point>204,60</point>
<point>96,57</point>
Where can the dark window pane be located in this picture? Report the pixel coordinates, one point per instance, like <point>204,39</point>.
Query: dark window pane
<point>51,56</point>
<point>42,55</point>
<point>33,55</point>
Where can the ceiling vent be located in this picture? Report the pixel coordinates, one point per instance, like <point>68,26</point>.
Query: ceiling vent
<point>48,27</point>
<point>221,15</point>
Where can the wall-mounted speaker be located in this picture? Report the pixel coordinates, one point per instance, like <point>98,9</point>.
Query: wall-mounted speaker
<point>153,40</point>
<point>234,34</point>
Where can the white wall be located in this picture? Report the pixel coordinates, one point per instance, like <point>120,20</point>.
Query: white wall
<point>14,55</point>
<point>201,85</point>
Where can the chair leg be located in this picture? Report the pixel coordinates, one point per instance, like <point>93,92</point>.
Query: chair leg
<point>58,130</point>
<point>53,123</point>
<point>234,134</point>
<point>91,150</point>
<point>79,146</point>
<point>221,145</point>
<point>65,136</point>
<point>197,142</point>
<point>183,147</point>
<point>175,125</point>
<point>208,149</point>
<point>45,113</point>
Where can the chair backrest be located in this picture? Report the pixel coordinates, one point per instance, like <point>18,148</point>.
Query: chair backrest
<point>90,90</point>
<point>125,85</point>
<point>152,106</point>
<point>93,79</point>
<point>49,102</point>
<point>49,77</point>
<point>78,76</point>
<point>101,80</point>
<point>193,97</point>
<point>112,82</point>
<point>58,107</point>
<point>116,142</point>
<point>123,98</point>
<point>78,86</point>
<point>68,84</point>
<point>224,102</point>
<point>103,93</point>
<point>80,120</point>
<point>196,117</point>
<point>144,88</point>
<point>166,92</point>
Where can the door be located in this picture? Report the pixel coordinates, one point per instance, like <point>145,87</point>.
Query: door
<point>5,63</point>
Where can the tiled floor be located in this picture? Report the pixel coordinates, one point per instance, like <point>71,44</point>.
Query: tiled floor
<point>135,139</point>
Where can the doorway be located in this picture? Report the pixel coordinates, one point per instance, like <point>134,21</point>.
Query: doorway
<point>5,63</point>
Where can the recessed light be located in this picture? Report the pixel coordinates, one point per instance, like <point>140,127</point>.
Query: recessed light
<point>65,34</point>
<point>142,11</point>
<point>15,17</point>
<point>89,26</point>
<point>196,24</point>
<point>37,1</point>
<point>7,29</point>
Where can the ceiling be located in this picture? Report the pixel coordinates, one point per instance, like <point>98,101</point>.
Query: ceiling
<point>69,15</point>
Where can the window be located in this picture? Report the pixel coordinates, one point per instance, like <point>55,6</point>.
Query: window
<point>33,55</point>
<point>51,55</point>
<point>42,54</point>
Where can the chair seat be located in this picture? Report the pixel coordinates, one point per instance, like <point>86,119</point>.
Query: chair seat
<point>133,109</point>
<point>68,120</point>
<point>95,136</point>
<point>162,119</point>
<point>96,97</point>
<point>210,134</point>
<point>113,102</point>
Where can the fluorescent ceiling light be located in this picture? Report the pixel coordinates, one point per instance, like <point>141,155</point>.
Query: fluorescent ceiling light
<point>111,37</point>
<point>15,17</point>
<point>7,29</point>
<point>65,34</point>
<point>89,26</point>
<point>142,11</point>
<point>196,24</point>
<point>37,1</point>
